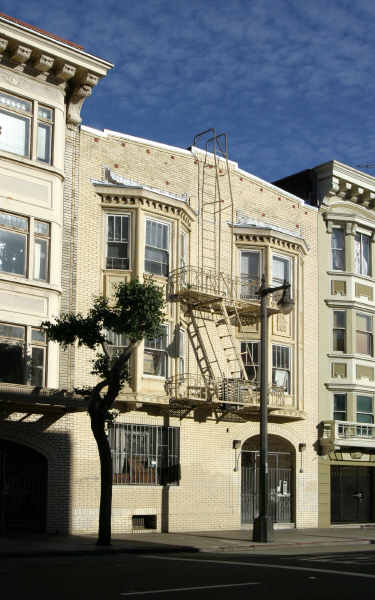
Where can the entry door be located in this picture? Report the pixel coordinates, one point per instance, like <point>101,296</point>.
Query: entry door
<point>280,481</point>
<point>351,494</point>
<point>23,485</point>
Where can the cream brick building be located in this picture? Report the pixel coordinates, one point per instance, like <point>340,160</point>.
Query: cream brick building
<point>185,445</point>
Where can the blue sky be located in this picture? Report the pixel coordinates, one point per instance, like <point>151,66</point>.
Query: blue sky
<point>292,82</point>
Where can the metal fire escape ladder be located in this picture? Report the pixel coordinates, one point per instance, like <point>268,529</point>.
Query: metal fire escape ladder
<point>203,348</point>
<point>233,357</point>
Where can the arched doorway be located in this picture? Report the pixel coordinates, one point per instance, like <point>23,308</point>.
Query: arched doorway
<point>281,461</point>
<point>23,488</point>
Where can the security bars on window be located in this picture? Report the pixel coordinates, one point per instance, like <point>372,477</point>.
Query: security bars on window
<point>145,454</point>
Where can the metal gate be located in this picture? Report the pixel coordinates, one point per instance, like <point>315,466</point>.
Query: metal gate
<point>352,494</point>
<point>280,485</point>
<point>23,487</point>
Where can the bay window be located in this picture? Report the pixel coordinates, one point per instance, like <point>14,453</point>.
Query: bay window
<point>17,235</point>
<point>117,255</point>
<point>157,248</point>
<point>21,122</point>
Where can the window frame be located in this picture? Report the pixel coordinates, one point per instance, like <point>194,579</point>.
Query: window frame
<point>276,281</point>
<point>127,243</point>
<point>287,370</point>
<point>150,350</point>
<point>28,345</point>
<point>358,269</point>
<point>336,329</point>
<point>167,251</point>
<point>369,413</point>
<point>31,236</point>
<point>337,411</point>
<point>249,286</point>
<point>144,463</point>
<point>338,251</point>
<point>369,333</point>
<point>252,365</point>
<point>34,119</point>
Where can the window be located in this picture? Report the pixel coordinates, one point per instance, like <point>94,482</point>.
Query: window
<point>117,242</point>
<point>250,273</point>
<point>22,354</point>
<point>156,356</point>
<point>364,343</point>
<point>250,358</point>
<point>157,248</point>
<point>18,129</point>
<point>117,342</point>
<point>181,351</point>
<point>362,260</point>
<point>281,367</point>
<point>339,407</point>
<point>41,250</point>
<point>339,331</point>
<point>145,454</point>
<point>183,249</point>
<point>365,413</point>
<point>280,270</point>
<point>15,231</point>
<point>338,249</point>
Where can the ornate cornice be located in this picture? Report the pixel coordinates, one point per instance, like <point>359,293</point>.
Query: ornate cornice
<point>168,207</point>
<point>68,68</point>
<point>273,239</point>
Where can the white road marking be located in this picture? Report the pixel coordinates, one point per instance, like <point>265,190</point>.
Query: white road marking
<point>261,564</point>
<point>189,589</point>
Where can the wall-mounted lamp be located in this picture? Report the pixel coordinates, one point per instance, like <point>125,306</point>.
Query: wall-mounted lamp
<point>301,448</point>
<point>236,446</point>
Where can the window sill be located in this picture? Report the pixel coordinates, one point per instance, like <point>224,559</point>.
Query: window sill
<point>23,160</point>
<point>18,279</point>
<point>156,377</point>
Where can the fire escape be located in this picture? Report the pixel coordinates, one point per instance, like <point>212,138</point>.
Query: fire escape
<point>215,302</point>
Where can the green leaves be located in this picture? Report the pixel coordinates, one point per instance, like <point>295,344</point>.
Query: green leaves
<point>137,310</point>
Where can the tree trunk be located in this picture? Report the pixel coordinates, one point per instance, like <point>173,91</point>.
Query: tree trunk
<point>105,510</point>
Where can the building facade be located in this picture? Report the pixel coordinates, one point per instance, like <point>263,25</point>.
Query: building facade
<point>43,83</point>
<point>84,209</point>
<point>346,433</point>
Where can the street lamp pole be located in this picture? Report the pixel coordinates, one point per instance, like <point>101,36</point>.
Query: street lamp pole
<point>263,527</point>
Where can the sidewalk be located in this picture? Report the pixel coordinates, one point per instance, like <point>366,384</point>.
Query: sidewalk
<point>210,541</point>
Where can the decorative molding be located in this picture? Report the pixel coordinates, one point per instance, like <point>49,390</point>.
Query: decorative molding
<point>271,239</point>
<point>20,57</point>
<point>43,65</point>
<point>109,200</point>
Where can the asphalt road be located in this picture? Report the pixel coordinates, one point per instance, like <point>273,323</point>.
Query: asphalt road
<point>184,577</point>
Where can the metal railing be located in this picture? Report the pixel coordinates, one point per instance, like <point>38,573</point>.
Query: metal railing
<point>223,390</point>
<point>208,281</point>
<point>348,431</point>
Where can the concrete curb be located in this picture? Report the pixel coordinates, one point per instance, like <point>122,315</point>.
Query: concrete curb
<point>95,551</point>
<point>112,550</point>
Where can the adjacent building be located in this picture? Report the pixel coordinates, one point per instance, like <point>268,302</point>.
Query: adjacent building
<point>345,198</point>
